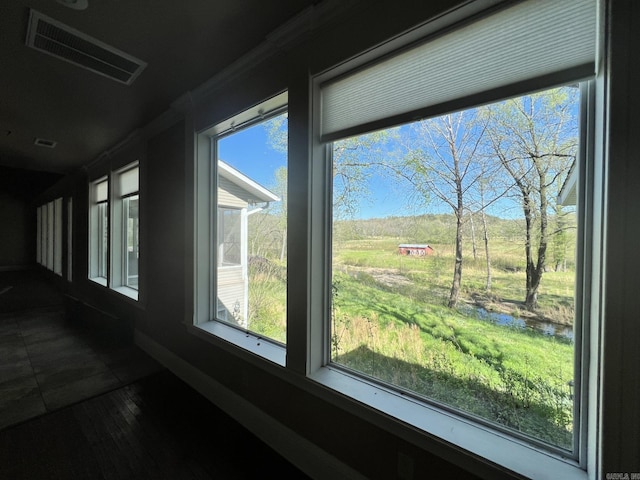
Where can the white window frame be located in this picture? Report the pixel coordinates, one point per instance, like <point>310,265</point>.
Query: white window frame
<point>118,270</point>
<point>96,232</point>
<point>204,323</point>
<point>39,235</point>
<point>70,239</point>
<point>525,456</point>
<point>43,235</point>
<point>57,235</point>
<point>49,231</point>
<point>50,235</point>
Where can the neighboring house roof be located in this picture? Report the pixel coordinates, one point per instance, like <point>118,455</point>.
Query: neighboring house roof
<point>257,191</point>
<point>568,192</point>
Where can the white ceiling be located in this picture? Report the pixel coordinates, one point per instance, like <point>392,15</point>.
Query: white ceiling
<point>183,42</point>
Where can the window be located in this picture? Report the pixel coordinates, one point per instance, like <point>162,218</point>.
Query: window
<point>43,234</point>
<point>244,237</point>
<point>131,236</point>
<point>39,235</point>
<point>99,232</point>
<point>126,231</point>
<point>118,267</point>
<point>481,325</point>
<point>57,236</point>
<point>70,240</point>
<point>478,313</point>
<point>229,236</point>
<point>49,235</point>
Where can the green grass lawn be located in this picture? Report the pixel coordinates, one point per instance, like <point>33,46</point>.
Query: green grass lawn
<point>390,322</point>
<point>516,377</point>
<point>399,330</point>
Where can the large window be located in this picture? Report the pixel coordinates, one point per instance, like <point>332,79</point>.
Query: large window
<point>126,231</point>
<point>246,232</point>
<point>70,239</point>
<point>49,235</point>
<point>454,263</point>
<point>441,228</point>
<point>117,227</point>
<point>99,231</point>
<point>459,232</point>
<point>131,206</point>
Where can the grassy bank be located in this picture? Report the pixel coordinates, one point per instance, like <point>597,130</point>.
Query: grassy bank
<point>390,322</point>
<point>518,378</point>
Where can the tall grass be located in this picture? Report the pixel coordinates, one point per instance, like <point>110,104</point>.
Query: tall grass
<point>517,378</point>
<point>267,299</point>
<point>390,322</point>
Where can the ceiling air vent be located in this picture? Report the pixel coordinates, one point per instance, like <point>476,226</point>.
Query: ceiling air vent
<point>41,142</point>
<point>52,37</point>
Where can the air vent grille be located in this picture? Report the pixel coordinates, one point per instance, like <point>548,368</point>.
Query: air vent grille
<point>42,142</point>
<point>52,37</point>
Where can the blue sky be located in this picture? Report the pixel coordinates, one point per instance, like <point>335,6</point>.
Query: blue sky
<point>248,151</point>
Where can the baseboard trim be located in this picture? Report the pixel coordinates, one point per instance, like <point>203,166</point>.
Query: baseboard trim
<point>305,455</point>
<point>16,268</point>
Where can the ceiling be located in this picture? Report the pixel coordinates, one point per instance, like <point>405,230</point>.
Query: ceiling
<point>183,43</point>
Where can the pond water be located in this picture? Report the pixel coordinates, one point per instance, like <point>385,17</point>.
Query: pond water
<point>548,328</point>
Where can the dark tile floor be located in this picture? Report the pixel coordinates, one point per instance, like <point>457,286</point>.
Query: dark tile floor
<point>156,428</point>
<point>47,362</point>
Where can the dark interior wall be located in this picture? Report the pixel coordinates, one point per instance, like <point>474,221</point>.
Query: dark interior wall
<point>164,232</point>
<point>16,243</point>
<point>18,188</point>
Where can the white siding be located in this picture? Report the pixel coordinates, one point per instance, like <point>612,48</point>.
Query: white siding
<point>231,289</point>
<point>230,195</point>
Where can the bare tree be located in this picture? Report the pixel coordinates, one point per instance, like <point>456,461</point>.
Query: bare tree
<point>535,139</point>
<point>482,187</point>
<point>443,162</point>
<point>355,161</point>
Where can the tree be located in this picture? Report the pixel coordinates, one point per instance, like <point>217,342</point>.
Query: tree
<point>355,161</point>
<point>482,188</point>
<point>534,137</point>
<point>443,162</point>
<point>278,138</point>
<point>280,209</point>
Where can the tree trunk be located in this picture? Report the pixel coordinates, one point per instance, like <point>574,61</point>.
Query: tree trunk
<point>457,268</point>
<point>531,298</point>
<point>486,250</point>
<point>473,237</point>
<point>283,248</point>
<point>533,283</point>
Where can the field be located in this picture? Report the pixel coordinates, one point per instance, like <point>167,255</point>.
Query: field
<point>390,322</point>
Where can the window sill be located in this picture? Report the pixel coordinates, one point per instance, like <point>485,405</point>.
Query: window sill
<point>496,447</point>
<point>245,340</point>
<point>99,280</point>
<point>128,292</point>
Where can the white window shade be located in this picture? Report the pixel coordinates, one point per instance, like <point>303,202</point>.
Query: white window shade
<point>100,191</point>
<point>538,43</point>
<point>128,182</point>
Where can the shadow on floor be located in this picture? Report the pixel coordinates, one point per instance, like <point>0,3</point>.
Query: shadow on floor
<point>48,362</point>
<point>156,428</point>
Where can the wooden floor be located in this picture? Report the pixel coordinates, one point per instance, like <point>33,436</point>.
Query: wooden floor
<point>49,360</point>
<point>156,428</point>
<point>73,406</point>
